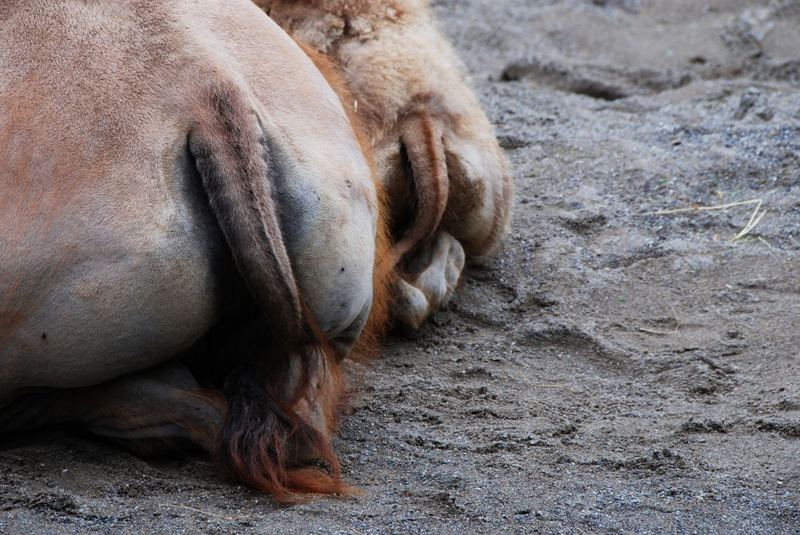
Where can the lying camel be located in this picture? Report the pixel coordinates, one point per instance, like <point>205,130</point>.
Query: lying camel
<point>436,151</point>
<point>181,186</point>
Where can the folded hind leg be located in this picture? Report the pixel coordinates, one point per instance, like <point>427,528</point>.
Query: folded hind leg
<point>437,267</point>
<point>149,412</point>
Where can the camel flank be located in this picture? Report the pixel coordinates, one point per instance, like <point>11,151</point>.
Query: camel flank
<point>205,199</point>
<point>447,181</point>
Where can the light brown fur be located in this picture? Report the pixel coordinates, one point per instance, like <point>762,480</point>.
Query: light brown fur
<point>409,90</point>
<point>148,148</point>
<point>398,65</point>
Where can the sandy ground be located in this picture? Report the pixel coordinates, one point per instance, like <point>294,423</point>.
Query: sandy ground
<point>610,371</point>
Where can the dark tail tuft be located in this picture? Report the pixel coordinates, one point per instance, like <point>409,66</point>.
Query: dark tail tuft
<point>263,440</point>
<point>263,443</point>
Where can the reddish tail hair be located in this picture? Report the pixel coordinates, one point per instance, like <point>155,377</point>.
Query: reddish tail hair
<point>263,441</point>
<point>262,436</point>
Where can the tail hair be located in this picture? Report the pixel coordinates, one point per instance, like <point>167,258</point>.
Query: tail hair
<point>231,152</point>
<point>262,440</point>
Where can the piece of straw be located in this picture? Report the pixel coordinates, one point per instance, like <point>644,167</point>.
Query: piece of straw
<point>704,208</point>
<point>755,218</point>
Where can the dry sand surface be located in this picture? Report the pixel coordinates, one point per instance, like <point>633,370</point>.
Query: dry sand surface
<point>611,371</point>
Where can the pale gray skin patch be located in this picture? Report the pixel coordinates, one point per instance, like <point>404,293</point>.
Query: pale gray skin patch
<point>298,199</point>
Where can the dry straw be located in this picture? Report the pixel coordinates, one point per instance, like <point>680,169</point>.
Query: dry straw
<point>755,218</point>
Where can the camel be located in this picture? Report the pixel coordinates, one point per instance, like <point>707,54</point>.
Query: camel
<point>184,196</point>
<point>191,240</point>
<point>437,155</point>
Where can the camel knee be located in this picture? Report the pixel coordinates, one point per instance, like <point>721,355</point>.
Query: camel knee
<point>482,190</point>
